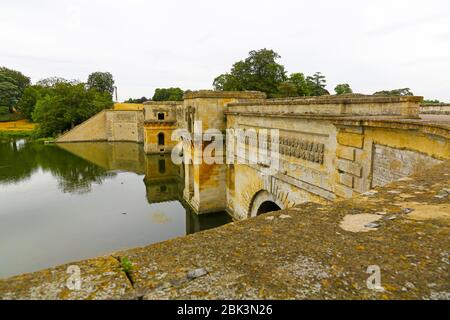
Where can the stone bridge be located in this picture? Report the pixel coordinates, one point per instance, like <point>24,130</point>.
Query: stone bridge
<point>330,148</point>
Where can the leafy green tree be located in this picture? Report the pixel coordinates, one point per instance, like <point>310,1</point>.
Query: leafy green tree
<point>66,105</point>
<point>227,82</point>
<point>286,89</point>
<point>168,94</point>
<point>139,100</point>
<point>20,80</point>
<point>395,92</point>
<point>298,79</point>
<point>102,81</point>
<point>259,71</point>
<point>343,88</point>
<point>9,94</point>
<point>294,86</point>
<point>432,101</point>
<point>317,84</point>
<point>28,101</point>
<point>52,81</point>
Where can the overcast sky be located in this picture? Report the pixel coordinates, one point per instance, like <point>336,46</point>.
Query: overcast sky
<point>372,45</point>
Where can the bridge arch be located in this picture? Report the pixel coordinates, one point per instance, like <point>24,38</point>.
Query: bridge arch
<point>263,201</point>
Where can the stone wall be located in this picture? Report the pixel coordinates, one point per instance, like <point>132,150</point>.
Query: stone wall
<point>93,129</point>
<point>391,164</point>
<point>125,126</point>
<point>435,109</point>
<point>108,125</point>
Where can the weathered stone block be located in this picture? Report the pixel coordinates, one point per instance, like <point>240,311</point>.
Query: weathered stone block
<point>349,167</point>
<point>346,180</point>
<point>343,191</point>
<point>350,139</point>
<point>345,153</point>
<point>358,130</point>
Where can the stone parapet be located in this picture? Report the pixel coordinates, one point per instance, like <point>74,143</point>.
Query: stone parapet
<point>402,107</point>
<point>443,109</point>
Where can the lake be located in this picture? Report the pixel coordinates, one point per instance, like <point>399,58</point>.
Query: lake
<point>68,202</point>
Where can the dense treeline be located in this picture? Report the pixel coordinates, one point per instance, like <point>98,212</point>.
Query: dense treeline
<point>56,104</point>
<point>161,94</point>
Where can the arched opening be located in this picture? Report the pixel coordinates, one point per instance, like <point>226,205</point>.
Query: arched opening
<point>263,202</point>
<point>267,206</point>
<point>160,139</point>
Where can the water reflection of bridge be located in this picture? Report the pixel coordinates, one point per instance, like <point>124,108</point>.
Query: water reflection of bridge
<point>164,180</point>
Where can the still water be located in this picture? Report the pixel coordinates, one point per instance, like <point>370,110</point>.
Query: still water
<point>63,203</point>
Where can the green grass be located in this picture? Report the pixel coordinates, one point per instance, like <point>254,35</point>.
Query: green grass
<point>126,265</point>
<point>16,134</point>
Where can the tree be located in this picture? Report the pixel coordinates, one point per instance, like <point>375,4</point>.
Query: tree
<point>287,89</point>
<point>295,86</point>
<point>102,81</point>
<point>52,81</point>
<point>259,71</point>
<point>317,84</point>
<point>12,85</point>
<point>28,101</point>
<point>343,89</point>
<point>395,92</point>
<point>432,101</point>
<point>168,94</point>
<point>140,100</point>
<point>65,105</point>
<point>20,80</point>
<point>226,82</point>
<point>9,94</point>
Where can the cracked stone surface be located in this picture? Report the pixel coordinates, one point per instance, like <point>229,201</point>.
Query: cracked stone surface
<point>306,256</point>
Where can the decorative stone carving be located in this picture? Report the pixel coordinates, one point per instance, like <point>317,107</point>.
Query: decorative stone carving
<point>298,148</point>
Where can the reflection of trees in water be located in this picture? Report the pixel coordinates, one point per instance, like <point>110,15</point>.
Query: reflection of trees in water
<point>75,175</point>
<point>17,161</point>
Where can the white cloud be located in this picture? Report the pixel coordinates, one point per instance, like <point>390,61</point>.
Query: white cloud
<point>147,44</point>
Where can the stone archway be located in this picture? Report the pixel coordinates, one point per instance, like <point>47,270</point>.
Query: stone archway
<point>263,202</point>
<point>267,206</point>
